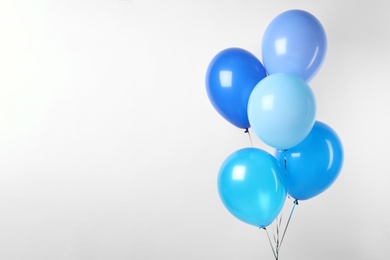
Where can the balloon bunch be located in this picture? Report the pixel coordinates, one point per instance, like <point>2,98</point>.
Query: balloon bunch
<point>276,102</point>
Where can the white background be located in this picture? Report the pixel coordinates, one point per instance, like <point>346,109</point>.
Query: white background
<point>110,148</point>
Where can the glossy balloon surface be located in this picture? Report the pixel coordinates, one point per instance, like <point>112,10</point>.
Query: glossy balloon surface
<point>294,42</point>
<point>251,186</point>
<point>314,164</point>
<point>281,110</point>
<point>231,76</point>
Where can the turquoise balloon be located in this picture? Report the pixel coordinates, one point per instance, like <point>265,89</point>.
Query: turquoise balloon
<point>251,186</point>
<point>314,164</point>
<point>294,42</point>
<point>281,110</point>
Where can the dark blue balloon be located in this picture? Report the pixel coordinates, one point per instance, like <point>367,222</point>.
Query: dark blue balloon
<point>230,78</point>
<point>313,165</point>
<point>251,186</point>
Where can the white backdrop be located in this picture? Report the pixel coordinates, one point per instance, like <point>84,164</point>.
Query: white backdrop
<point>110,148</point>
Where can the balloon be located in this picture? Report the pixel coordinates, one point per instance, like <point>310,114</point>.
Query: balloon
<point>281,110</point>
<point>314,164</point>
<point>294,42</point>
<point>230,78</point>
<point>251,187</point>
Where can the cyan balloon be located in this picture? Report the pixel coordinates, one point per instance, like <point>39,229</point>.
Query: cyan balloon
<point>314,164</point>
<point>294,42</point>
<point>230,78</point>
<point>251,186</point>
<point>281,110</point>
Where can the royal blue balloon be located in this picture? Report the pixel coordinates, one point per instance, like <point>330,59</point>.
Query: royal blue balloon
<point>281,110</point>
<point>251,186</point>
<point>314,164</point>
<point>230,78</point>
<point>294,42</point>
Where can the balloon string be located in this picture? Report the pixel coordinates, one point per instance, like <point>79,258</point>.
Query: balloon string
<point>270,243</point>
<point>288,222</point>
<point>249,135</point>
<point>278,243</point>
<point>277,240</point>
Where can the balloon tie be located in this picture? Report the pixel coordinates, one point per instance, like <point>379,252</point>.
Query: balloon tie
<point>249,135</point>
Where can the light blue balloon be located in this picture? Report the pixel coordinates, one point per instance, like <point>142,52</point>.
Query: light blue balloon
<point>251,186</point>
<point>313,165</point>
<point>294,42</point>
<point>281,110</point>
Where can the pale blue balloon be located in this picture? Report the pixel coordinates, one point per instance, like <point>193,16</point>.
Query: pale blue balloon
<point>281,110</point>
<point>252,187</point>
<point>294,42</point>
